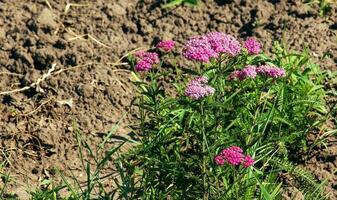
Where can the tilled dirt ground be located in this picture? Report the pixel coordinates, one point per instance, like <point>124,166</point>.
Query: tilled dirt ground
<point>89,91</point>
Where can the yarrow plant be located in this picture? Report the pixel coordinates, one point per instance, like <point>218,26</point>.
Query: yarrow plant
<point>239,98</point>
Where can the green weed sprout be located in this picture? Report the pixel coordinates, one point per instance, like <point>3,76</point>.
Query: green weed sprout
<point>324,5</point>
<point>172,3</point>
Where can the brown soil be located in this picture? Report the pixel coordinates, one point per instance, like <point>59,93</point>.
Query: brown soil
<point>37,126</point>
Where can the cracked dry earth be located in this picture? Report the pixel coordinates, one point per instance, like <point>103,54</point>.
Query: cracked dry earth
<point>91,93</point>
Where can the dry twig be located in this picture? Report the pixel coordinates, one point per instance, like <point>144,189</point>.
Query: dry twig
<point>35,84</point>
<point>52,72</point>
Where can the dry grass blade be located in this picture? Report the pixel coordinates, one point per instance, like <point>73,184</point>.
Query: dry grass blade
<point>12,74</point>
<point>67,8</point>
<point>118,62</point>
<point>48,4</point>
<point>77,36</point>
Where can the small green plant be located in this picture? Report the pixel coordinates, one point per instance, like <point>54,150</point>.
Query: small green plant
<point>324,5</point>
<point>94,162</point>
<point>171,3</point>
<point>232,130</point>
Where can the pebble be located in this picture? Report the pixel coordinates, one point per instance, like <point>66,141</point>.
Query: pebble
<point>47,18</point>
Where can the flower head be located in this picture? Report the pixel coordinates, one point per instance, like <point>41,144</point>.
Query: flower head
<point>199,49</point>
<point>247,161</point>
<point>233,155</point>
<point>224,43</point>
<point>274,72</point>
<point>234,75</point>
<point>151,57</point>
<point>252,46</point>
<point>166,45</point>
<point>140,54</point>
<point>219,160</point>
<point>199,80</point>
<point>248,72</point>
<point>143,66</point>
<point>197,88</point>
<point>145,60</point>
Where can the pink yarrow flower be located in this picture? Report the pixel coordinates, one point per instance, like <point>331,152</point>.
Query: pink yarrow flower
<point>248,72</point>
<point>198,89</point>
<point>198,49</point>
<point>151,57</point>
<point>234,156</point>
<point>143,66</point>
<point>199,80</point>
<point>274,72</point>
<point>252,46</point>
<point>234,75</point>
<point>166,45</point>
<point>146,60</point>
<point>219,160</point>
<point>251,71</point>
<point>247,161</point>
<point>224,43</point>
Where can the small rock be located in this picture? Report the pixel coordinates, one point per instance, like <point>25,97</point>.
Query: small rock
<point>86,90</point>
<point>42,59</point>
<point>32,26</point>
<point>47,19</point>
<point>146,28</point>
<point>19,54</point>
<point>60,44</point>
<point>69,59</point>
<point>21,193</point>
<point>28,42</point>
<point>118,9</point>
<point>2,34</point>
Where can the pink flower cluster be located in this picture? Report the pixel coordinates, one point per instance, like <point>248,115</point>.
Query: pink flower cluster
<point>251,71</point>
<point>252,46</point>
<point>166,45</point>
<point>273,72</point>
<point>203,48</point>
<point>224,43</point>
<point>234,156</point>
<point>197,88</point>
<point>145,60</point>
<point>199,49</point>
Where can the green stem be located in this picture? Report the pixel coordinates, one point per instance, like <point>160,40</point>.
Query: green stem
<point>203,152</point>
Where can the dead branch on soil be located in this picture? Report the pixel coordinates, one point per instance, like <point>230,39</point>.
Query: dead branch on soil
<point>36,109</point>
<point>52,72</point>
<point>35,84</point>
